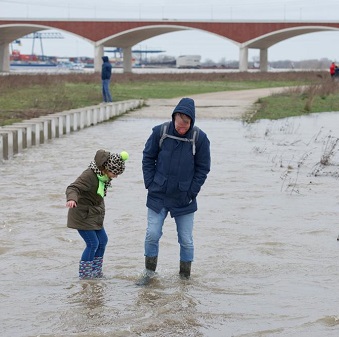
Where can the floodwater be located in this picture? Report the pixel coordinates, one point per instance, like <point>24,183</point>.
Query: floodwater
<point>266,260</point>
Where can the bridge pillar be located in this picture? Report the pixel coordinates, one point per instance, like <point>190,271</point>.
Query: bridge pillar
<point>263,60</point>
<point>127,59</point>
<point>98,54</point>
<point>4,57</point>
<point>243,59</point>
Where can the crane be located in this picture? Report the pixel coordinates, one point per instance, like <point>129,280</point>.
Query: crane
<point>40,36</point>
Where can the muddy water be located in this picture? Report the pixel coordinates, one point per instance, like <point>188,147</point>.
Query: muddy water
<point>266,260</point>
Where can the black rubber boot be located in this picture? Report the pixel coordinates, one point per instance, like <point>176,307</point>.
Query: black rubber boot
<point>149,272</point>
<point>151,262</point>
<point>185,270</point>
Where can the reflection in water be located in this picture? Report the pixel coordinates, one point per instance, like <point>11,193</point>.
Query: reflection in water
<point>265,235</point>
<point>87,308</point>
<point>90,297</point>
<point>166,312</point>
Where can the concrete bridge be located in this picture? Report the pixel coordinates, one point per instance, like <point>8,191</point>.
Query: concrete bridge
<point>125,34</point>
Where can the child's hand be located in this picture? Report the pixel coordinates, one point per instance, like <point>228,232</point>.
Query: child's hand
<point>71,204</point>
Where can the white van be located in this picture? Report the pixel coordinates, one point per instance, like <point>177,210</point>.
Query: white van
<point>188,61</point>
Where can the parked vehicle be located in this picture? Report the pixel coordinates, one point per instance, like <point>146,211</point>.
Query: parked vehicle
<point>188,61</point>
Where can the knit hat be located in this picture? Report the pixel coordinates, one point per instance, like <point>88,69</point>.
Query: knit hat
<point>116,163</point>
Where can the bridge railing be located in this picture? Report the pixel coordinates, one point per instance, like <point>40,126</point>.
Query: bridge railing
<point>17,137</point>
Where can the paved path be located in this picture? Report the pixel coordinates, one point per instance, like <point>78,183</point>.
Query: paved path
<point>219,105</point>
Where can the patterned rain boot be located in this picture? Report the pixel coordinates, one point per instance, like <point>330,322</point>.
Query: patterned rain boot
<point>185,270</point>
<point>85,270</point>
<point>97,267</point>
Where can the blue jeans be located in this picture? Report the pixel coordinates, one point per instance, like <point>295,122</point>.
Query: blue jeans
<point>106,95</point>
<point>184,230</point>
<point>96,242</point>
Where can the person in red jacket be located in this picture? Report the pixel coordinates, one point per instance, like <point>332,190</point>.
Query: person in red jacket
<point>332,69</point>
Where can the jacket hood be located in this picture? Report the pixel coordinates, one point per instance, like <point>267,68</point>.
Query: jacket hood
<point>101,157</point>
<point>187,107</point>
<point>105,58</point>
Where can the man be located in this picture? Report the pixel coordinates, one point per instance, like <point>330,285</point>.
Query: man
<point>175,165</point>
<point>106,72</point>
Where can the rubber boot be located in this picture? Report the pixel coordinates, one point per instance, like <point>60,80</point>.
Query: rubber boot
<point>97,267</point>
<point>151,263</point>
<point>149,272</point>
<point>85,270</point>
<point>185,270</point>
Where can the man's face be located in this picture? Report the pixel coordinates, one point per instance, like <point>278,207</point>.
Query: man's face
<point>182,123</point>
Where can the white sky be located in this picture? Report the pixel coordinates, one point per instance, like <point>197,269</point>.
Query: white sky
<point>309,46</point>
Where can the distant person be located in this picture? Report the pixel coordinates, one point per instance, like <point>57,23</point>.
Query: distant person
<point>175,164</point>
<point>333,68</point>
<point>85,200</point>
<point>106,73</point>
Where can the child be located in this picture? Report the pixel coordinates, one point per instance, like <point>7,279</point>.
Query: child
<point>85,200</point>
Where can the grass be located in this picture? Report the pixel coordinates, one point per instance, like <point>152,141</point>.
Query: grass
<point>285,105</point>
<point>297,101</point>
<point>28,96</point>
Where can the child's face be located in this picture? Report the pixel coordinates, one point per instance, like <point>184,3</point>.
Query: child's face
<point>110,174</point>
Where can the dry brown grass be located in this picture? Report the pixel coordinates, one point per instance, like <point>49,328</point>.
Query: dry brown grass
<point>16,81</point>
<point>323,88</point>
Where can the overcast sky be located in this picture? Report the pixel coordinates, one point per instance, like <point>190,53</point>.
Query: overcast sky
<point>309,46</point>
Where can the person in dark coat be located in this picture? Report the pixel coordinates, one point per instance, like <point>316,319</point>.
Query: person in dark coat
<point>85,200</point>
<point>173,175</point>
<point>106,73</point>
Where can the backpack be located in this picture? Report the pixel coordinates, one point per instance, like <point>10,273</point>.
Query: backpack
<point>164,135</point>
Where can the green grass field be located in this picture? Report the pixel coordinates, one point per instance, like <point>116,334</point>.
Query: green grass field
<point>28,96</point>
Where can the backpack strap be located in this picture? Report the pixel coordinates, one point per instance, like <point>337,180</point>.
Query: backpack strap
<point>195,137</point>
<point>164,135</point>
